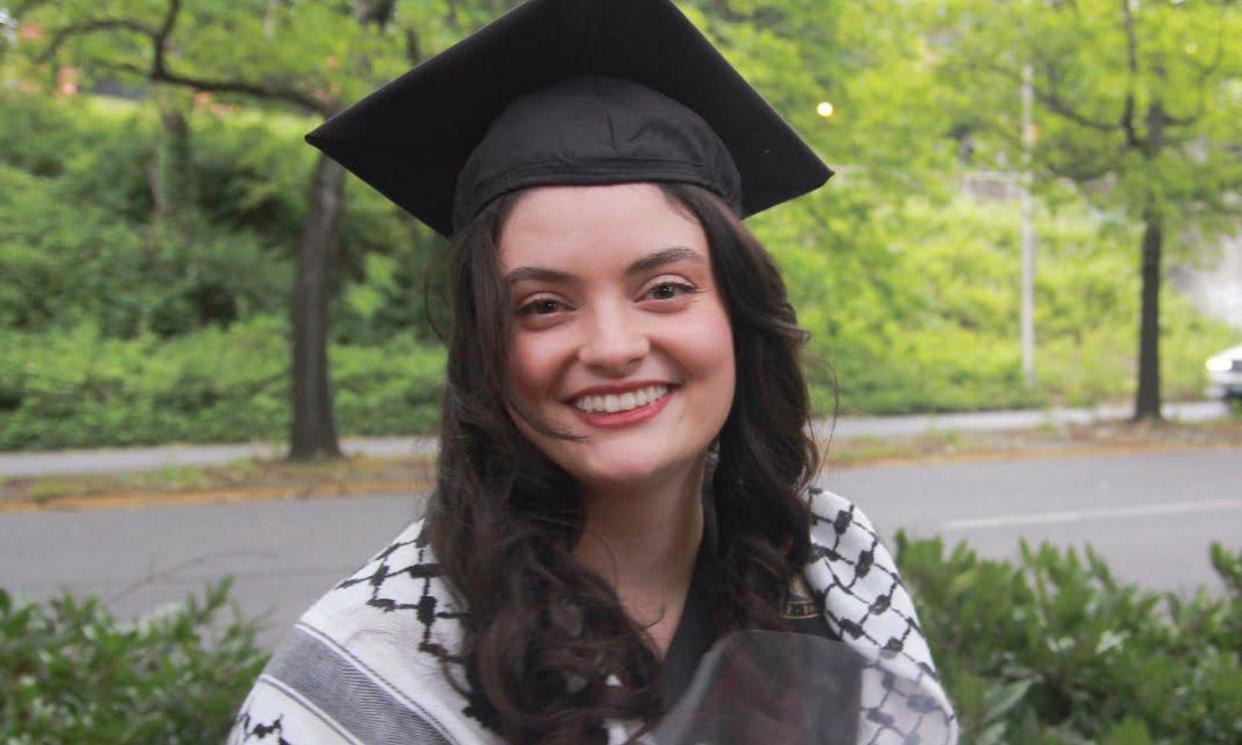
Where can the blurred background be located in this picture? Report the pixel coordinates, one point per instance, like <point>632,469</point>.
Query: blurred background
<point>1036,208</point>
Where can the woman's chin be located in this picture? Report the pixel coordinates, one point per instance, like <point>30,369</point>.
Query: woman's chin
<point>631,470</point>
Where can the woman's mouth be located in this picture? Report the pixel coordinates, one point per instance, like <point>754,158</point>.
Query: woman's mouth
<point>621,409</point>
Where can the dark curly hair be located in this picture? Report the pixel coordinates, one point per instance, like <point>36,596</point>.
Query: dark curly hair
<point>544,635</point>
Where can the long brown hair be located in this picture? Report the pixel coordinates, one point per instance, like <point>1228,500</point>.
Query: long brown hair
<point>544,635</point>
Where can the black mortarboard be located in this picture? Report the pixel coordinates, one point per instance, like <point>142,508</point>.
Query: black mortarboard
<point>570,92</point>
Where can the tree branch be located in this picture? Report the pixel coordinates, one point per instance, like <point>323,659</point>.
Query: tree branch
<point>1127,123</point>
<point>240,87</point>
<point>1052,100</point>
<point>1127,116</point>
<point>62,35</point>
<point>1127,16</point>
<point>1077,173</point>
<point>160,39</point>
<point>159,71</point>
<point>1073,168</point>
<point>1054,103</point>
<point>270,92</point>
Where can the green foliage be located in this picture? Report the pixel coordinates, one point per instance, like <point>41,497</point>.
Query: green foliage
<point>67,263</point>
<point>251,170</point>
<point>1133,103</point>
<point>80,241</point>
<point>914,306</point>
<point>1054,649</point>
<point>71,672</point>
<point>125,330</point>
<point>78,246</point>
<point>908,288</point>
<point>1050,650</point>
<point>78,388</point>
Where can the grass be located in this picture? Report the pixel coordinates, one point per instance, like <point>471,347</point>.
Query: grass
<point>249,480</point>
<point>240,480</point>
<point>1046,440</point>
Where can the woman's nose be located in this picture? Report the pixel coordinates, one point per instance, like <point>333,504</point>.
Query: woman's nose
<point>614,344</point>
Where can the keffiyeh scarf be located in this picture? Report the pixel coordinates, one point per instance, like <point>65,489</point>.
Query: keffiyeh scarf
<point>364,666</point>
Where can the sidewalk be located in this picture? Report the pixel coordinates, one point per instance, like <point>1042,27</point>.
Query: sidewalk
<point>74,462</point>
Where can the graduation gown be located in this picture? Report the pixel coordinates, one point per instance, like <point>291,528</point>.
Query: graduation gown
<point>364,664</point>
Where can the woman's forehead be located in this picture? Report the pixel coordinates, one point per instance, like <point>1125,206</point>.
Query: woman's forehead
<point>596,228</point>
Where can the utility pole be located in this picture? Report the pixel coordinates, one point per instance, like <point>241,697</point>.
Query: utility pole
<point>1028,230</point>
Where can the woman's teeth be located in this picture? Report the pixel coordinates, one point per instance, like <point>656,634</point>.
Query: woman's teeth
<point>612,403</point>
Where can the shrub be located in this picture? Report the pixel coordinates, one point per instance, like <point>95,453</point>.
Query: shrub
<point>65,262</point>
<point>72,673</point>
<point>1050,650</point>
<point>78,388</point>
<point>116,324</point>
<point>1053,649</point>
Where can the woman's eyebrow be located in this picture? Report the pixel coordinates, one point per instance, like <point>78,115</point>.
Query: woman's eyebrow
<point>645,264</point>
<point>666,256</point>
<point>538,274</point>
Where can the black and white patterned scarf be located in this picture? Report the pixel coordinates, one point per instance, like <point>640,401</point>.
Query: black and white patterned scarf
<point>364,665</point>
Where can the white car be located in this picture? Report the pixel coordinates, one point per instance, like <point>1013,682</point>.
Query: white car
<point>1225,374</point>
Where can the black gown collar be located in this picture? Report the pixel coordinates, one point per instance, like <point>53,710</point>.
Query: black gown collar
<point>696,630</point>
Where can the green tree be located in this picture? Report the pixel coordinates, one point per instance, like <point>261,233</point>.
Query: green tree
<point>312,57</point>
<point>842,248</point>
<point>1137,104</point>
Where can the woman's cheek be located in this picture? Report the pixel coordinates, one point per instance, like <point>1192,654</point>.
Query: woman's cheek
<point>536,357</point>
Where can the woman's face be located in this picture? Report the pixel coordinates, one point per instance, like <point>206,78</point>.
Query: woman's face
<point>620,333</point>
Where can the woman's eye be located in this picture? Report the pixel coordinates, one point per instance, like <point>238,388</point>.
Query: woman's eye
<point>540,307</point>
<point>668,290</point>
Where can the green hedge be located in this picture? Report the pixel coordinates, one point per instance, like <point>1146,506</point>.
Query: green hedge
<point>79,239</point>
<point>77,387</point>
<point>80,389</point>
<point>1054,650</point>
<point>70,672</point>
<point>915,304</point>
<point>118,326</point>
<point>1049,650</point>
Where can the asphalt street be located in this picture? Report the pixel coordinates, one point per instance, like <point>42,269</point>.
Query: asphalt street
<point>1152,515</point>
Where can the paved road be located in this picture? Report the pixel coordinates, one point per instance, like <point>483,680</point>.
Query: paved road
<point>1151,514</point>
<point>25,464</point>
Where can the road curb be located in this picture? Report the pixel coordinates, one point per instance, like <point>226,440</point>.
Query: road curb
<point>272,493</point>
<point>1034,454</point>
<point>133,499</point>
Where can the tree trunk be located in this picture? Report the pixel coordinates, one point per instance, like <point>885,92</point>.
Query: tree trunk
<point>314,428</point>
<point>172,188</point>
<point>1147,399</point>
<point>378,12</point>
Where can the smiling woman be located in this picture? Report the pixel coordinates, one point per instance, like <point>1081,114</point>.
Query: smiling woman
<point>624,479</point>
<point>631,310</point>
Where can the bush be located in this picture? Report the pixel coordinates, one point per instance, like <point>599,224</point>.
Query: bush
<point>1053,650</point>
<point>65,262</point>
<point>78,388</point>
<point>915,305</point>
<point>72,673</point>
<point>81,240</point>
<point>119,326</point>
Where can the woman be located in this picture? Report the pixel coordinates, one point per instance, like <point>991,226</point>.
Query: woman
<point>625,461</point>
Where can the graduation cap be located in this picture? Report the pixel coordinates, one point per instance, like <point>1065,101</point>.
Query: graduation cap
<point>570,92</point>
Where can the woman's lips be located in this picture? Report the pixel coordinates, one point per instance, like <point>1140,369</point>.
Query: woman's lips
<point>628,418</point>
